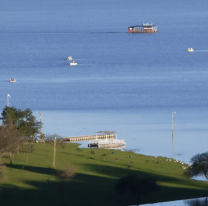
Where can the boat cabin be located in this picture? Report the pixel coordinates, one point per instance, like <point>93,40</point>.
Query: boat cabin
<point>12,80</point>
<point>190,50</point>
<point>69,58</point>
<point>144,28</point>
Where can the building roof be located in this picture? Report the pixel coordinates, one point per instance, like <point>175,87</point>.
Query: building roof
<point>143,25</point>
<point>106,132</point>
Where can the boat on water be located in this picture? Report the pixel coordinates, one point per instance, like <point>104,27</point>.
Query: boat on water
<point>12,80</point>
<point>190,50</point>
<point>69,58</point>
<point>73,63</point>
<point>107,143</point>
<point>144,28</point>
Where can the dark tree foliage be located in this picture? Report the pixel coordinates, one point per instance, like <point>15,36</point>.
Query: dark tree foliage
<point>23,121</point>
<point>199,165</point>
<point>135,185</point>
<point>51,137</point>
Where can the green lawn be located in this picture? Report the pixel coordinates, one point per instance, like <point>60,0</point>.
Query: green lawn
<point>30,181</point>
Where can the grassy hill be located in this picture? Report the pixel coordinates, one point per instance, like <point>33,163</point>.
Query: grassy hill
<point>31,180</point>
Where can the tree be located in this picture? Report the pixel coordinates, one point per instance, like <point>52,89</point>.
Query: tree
<point>23,121</point>
<point>92,153</point>
<point>50,139</point>
<point>199,166</point>
<point>2,172</point>
<point>135,185</point>
<point>64,175</point>
<point>10,140</point>
<point>104,155</point>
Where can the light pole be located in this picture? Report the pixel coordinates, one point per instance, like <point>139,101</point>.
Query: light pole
<point>8,96</point>
<point>54,152</point>
<point>40,125</point>
<point>173,130</point>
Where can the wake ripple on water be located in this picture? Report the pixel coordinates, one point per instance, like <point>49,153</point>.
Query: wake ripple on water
<point>200,50</point>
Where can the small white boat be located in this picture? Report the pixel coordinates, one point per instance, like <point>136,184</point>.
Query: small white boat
<point>73,63</point>
<point>12,80</point>
<point>190,50</point>
<point>69,58</point>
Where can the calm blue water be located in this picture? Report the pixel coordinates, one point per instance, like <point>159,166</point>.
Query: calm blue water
<point>190,202</point>
<point>128,83</point>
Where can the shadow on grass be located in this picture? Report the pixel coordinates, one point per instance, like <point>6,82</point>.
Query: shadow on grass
<point>118,172</point>
<point>40,170</point>
<point>113,171</point>
<point>91,190</point>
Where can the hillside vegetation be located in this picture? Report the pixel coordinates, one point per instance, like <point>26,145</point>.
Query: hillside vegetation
<point>32,180</point>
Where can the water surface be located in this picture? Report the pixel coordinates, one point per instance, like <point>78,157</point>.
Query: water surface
<point>128,83</point>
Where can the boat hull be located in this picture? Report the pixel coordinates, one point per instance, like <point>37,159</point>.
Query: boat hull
<point>190,50</point>
<point>141,31</point>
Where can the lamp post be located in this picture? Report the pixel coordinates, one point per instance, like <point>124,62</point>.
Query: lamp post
<point>40,125</point>
<point>8,96</point>
<point>173,130</point>
<point>54,152</point>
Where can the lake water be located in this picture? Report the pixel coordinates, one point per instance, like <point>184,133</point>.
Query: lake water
<point>127,83</point>
<point>190,202</point>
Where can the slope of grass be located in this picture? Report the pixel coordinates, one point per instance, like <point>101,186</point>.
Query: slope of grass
<point>31,181</point>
